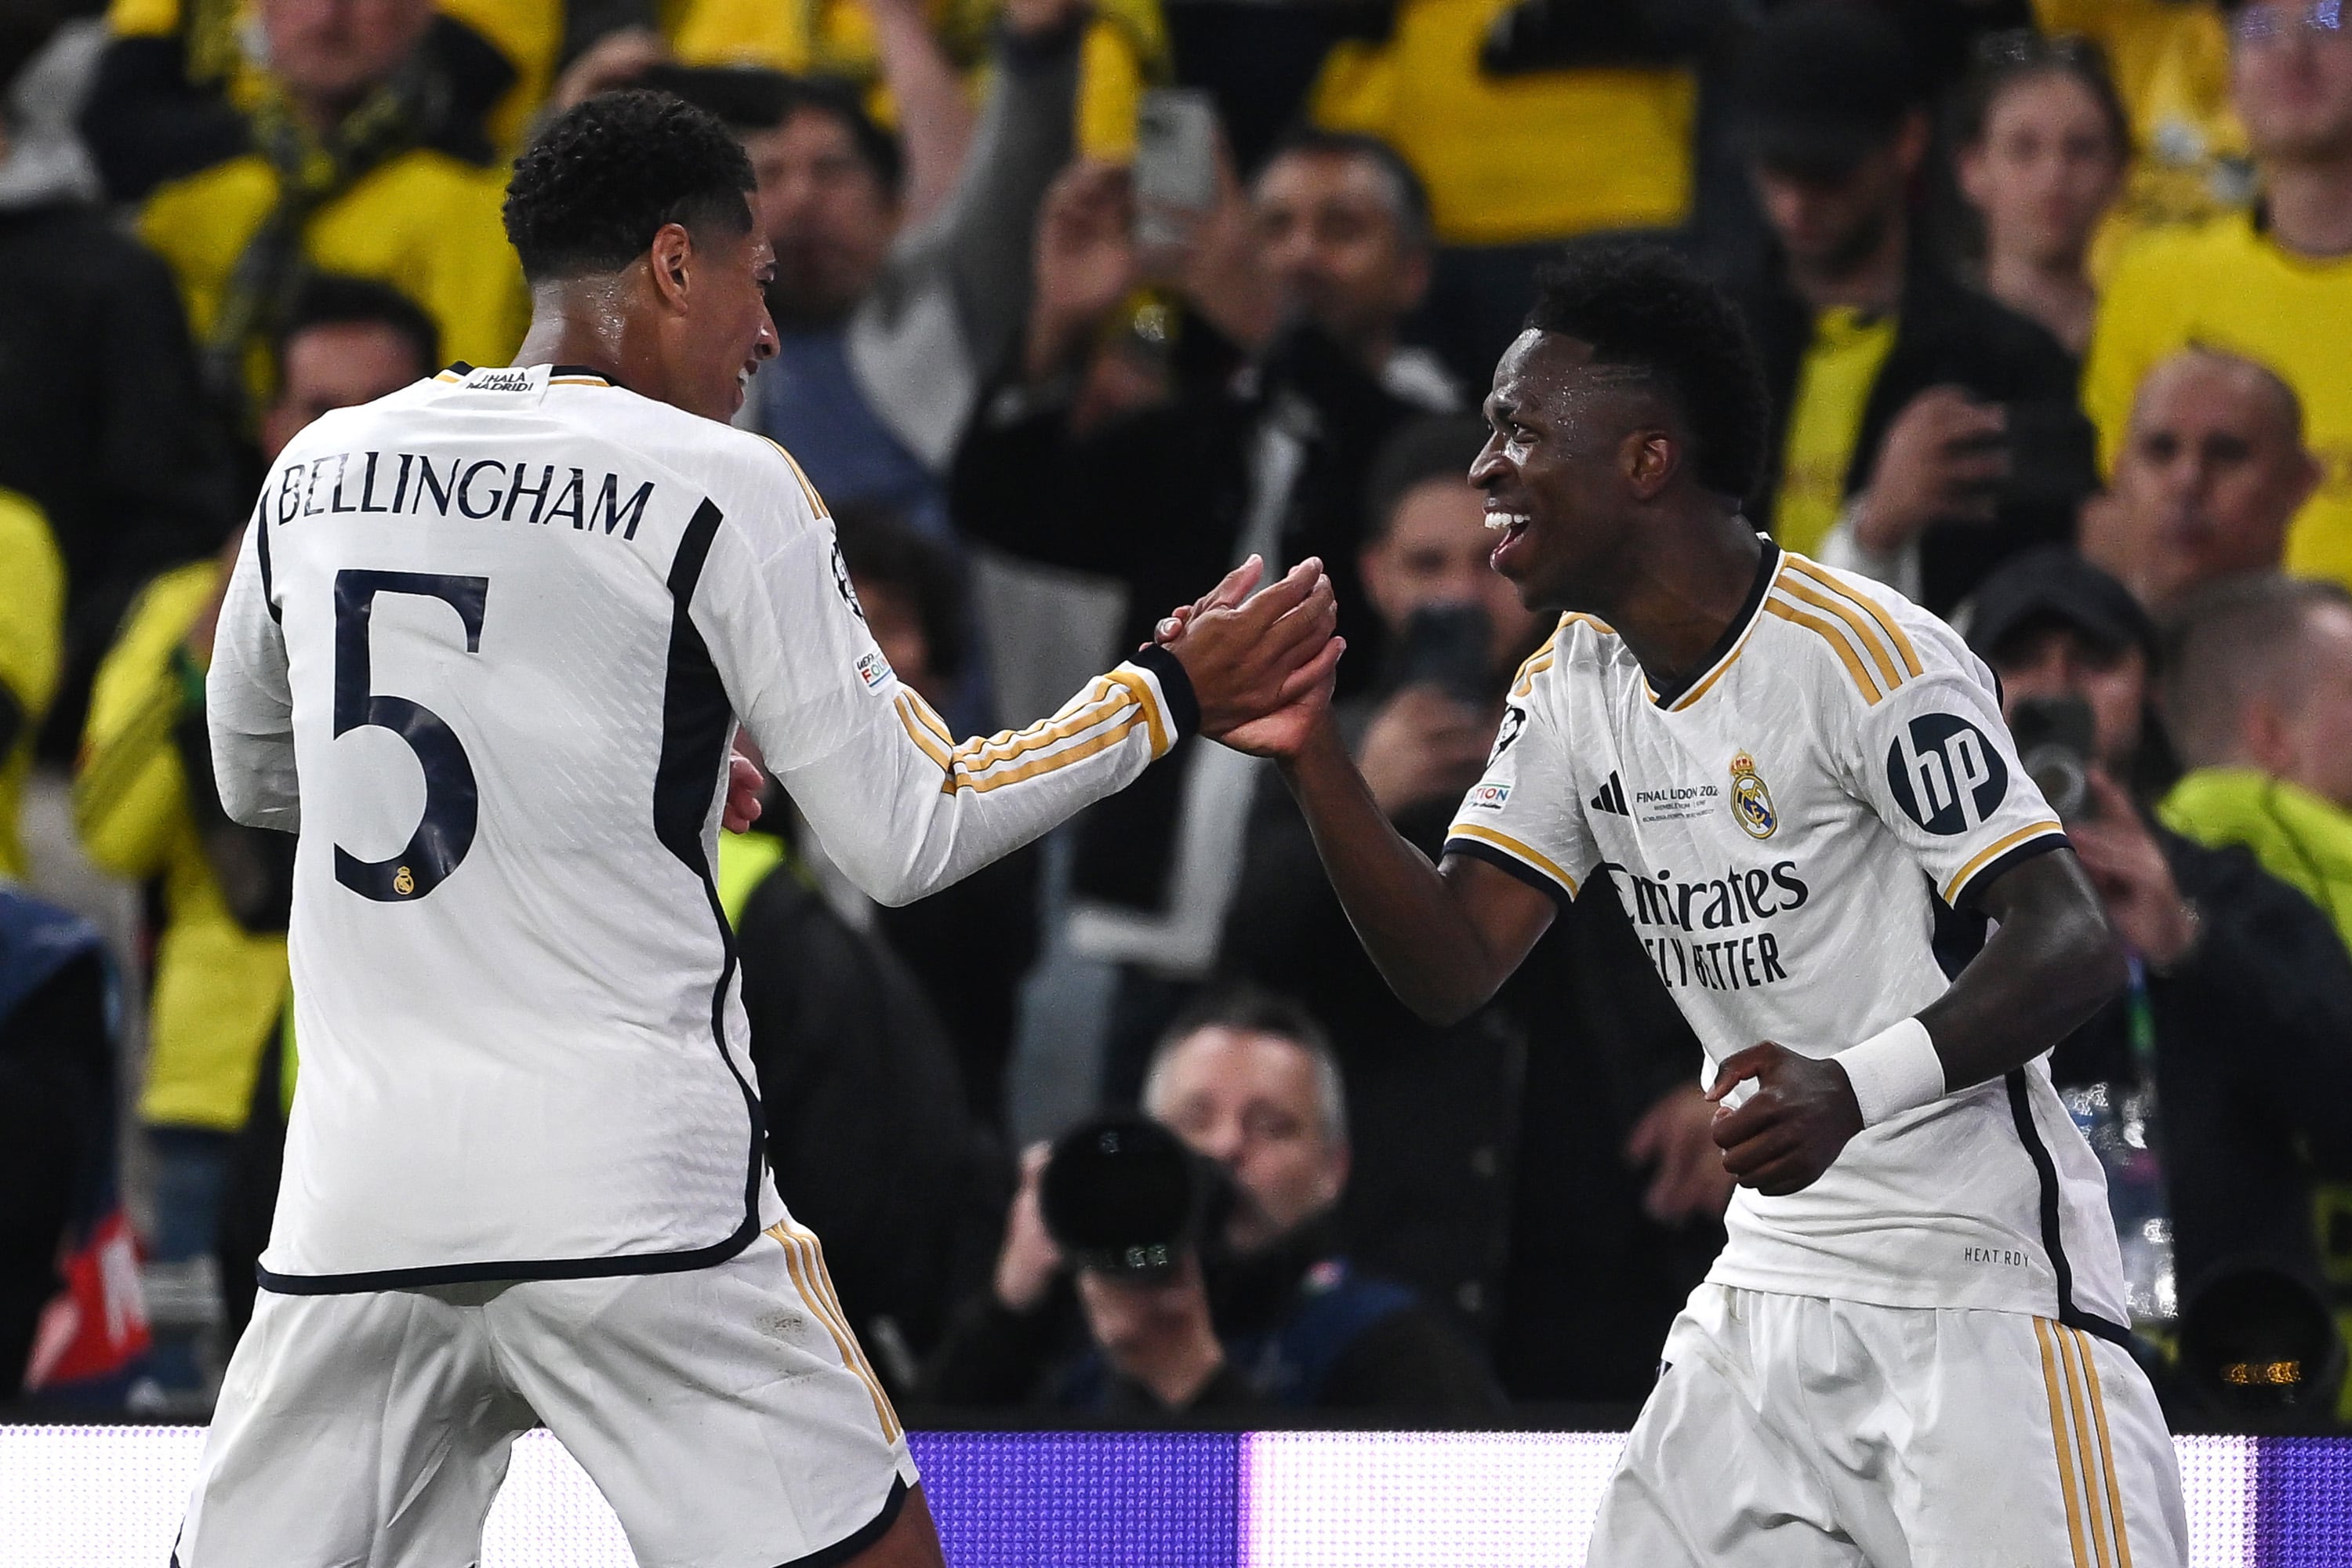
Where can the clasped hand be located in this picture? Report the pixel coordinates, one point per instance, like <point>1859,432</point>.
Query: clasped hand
<point>1783,1137</point>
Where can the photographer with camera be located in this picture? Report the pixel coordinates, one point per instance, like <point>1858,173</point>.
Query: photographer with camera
<point>2240,992</point>
<point>1184,1263</point>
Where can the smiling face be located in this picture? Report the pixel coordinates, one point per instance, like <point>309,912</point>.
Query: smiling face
<point>715,330</point>
<point>1331,236</point>
<point>1559,471</point>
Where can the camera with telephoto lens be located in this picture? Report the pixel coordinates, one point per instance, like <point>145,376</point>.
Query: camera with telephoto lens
<point>1123,1196</point>
<point>2260,1349</point>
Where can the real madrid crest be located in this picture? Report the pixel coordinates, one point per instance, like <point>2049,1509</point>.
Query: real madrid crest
<point>1751,803</point>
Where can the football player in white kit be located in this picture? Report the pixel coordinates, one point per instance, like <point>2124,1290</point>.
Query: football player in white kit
<point>1911,1353</point>
<point>486,648</point>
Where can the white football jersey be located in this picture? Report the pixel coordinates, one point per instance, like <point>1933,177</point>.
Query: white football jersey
<point>1777,831</point>
<point>486,647</point>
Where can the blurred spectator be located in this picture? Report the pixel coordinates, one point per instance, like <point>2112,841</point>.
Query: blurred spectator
<point>2171,65</point>
<point>2209,474</point>
<point>1123,51</point>
<point>2043,144</point>
<point>178,77</point>
<point>1921,429</point>
<point>364,153</point>
<point>869,1137</point>
<point>101,431</point>
<point>32,642</point>
<point>2258,702</point>
<point>1531,122</point>
<point>1268,1313</point>
<point>2193,1084</point>
<point>2276,284</point>
<point>902,264</point>
<point>146,808</point>
<point>972,944</point>
<point>1281,375</point>
<point>1496,1162</point>
<point>57,1138</point>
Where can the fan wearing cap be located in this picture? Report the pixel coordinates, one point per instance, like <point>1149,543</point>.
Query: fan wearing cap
<point>2240,992</point>
<point>1921,432</point>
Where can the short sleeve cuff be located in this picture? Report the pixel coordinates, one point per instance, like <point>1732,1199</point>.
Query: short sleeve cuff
<point>1997,859</point>
<point>1183,706</point>
<point>1507,855</point>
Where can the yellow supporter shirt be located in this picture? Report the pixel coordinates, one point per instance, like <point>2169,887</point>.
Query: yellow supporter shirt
<point>529,33</point>
<point>1517,160</point>
<point>1841,366</point>
<point>2228,286</point>
<point>424,222</point>
<point>32,633</point>
<point>219,987</point>
<point>1124,51</point>
<point>2171,62</point>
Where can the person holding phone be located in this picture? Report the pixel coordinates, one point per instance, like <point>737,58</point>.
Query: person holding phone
<point>2240,992</point>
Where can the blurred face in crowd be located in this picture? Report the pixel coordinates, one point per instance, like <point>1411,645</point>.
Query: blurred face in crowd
<point>2291,79</point>
<point>2302,733</point>
<point>1435,552</point>
<point>2209,474</point>
<point>1252,1103</point>
<point>1557,471</point>
<point>336,365</point>
<point>1338,248</point>
<point>2057,659</point>
<point>2045,169</point>
<point>335,51</point>
<point>1832,224</point>
<point>825,210</point>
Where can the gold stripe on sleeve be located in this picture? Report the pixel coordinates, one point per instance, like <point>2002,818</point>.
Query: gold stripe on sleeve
<point>1160,739</point>
<point>922,736</point>
<point>1512,847</point>
<point>1985,857</point>
<point>2041,1333</point>
<point>1870,607</point>
<point>1830,634</point>
<point>1047,764</point>
<point>1009,746</point>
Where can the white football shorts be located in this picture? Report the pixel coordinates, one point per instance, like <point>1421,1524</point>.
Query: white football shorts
<point>726,1413</point>
<point>1796,1432</point>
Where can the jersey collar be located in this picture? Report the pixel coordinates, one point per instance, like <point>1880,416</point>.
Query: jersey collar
<point>570,374</point>
<point>1682,694</point>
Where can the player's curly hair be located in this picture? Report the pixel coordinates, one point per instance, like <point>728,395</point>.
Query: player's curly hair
<point>590,193</point>
<point>1641,305</point>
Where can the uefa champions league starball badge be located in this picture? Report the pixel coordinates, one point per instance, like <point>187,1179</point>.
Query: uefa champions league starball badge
<point>1751,803</point>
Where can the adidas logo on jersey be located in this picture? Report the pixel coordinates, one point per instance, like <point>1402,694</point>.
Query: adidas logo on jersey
<point>1612,797</point>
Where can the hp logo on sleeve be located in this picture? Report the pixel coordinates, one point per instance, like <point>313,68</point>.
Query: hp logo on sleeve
<point>1945,775</point>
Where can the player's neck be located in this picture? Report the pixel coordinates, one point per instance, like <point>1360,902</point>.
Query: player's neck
<point>588,322</point>
<point>1683,597</point>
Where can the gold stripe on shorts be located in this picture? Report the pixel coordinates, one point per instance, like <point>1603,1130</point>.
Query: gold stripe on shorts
<point>2070,1351</point>
<point>2107,1449</point>
<point>2043,1331</point>
<point>806,1265</point>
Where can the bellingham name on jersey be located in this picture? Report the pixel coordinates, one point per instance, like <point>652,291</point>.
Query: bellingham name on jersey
<point>481,487</point>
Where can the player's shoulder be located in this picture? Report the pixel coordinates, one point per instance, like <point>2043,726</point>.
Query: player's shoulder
<point>1579,643</point>
<point>1855,635</point>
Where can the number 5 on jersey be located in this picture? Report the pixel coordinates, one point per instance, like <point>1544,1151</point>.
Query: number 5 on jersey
<point>452,804</point>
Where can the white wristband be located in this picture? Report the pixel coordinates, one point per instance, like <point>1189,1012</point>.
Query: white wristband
<point>1895,1070</point>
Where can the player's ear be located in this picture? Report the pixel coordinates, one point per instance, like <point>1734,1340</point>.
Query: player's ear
<point>1649,458</point>
<point>670,263</point>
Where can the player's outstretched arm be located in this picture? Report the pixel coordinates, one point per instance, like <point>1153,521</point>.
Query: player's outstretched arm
<point>2050,965</point>
<point>1444,937</point>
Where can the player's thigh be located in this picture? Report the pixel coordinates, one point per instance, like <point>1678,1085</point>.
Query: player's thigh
<point>2036,1443</point>
<point>1707,1477</point>
<point>361,1429</point>
<point>726,1413</point>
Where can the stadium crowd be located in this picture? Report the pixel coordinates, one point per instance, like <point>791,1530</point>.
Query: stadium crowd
<point>2056,299</point>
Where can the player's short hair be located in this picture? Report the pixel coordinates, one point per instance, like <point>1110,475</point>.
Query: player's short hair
<point>1408,197</point>
<point>1641,306</point>
<point>591,193</point>
<point>2238,644</point>
<point>1438,446</point>
<point>333,299</point>
<point>748,99</point>
<point>882,549</point>
<point>1252,1010</point>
